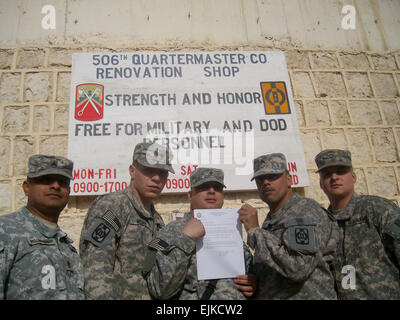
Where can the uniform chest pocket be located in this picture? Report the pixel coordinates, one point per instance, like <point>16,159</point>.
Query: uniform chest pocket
<point>37,270</point>
<point>363,220</point>
<point>279,230</point>
<point>361,237</point>
<point>362,228</point>
<point>140,226</point>
<point>73,265</point>
<point>135,233</point>
<point>133,246</point>
<point>361,242</point>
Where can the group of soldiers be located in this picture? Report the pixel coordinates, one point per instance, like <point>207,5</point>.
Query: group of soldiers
<point>351,250</point>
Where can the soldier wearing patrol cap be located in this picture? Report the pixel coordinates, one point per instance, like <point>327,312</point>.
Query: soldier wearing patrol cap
<point>119,225</point>
<point>367,261</point>
<point>172,264</point>
<point>293,247</point>
<point>37,259</point>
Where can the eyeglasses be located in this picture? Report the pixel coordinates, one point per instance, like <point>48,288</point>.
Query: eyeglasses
<point>208,185</point>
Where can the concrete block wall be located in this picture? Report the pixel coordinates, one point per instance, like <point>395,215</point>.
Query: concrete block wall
<point>343,99</point>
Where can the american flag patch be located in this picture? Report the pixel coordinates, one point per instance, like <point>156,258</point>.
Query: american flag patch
<point>110,217</point>
<point>158,244</point>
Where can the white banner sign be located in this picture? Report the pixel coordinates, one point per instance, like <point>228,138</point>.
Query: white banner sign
<point>213,109</point>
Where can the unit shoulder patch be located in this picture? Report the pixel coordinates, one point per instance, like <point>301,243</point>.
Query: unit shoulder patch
<point>100,233</point>
<point>302,236</point>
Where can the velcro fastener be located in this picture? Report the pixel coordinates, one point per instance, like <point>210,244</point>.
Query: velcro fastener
<point>306,221</point>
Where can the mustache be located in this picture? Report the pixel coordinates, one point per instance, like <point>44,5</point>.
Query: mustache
<point>267,188</point>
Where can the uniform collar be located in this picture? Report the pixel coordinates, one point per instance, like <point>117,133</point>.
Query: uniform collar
<point>346,212</point>
<point>139,207</point>
<point>280,214</point>
<point>42,228</point>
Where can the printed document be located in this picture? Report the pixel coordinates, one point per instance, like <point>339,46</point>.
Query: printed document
<point>220,252</point>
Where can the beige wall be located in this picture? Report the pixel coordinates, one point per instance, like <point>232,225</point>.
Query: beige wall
<point>173,24</point>
<point>345,82</point>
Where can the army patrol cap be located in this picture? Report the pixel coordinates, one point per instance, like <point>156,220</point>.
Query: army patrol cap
<point>153,155</point>
<point>203,175</point>
<point>272,163</point>
<point>41,165</point>
<point>333,157</point>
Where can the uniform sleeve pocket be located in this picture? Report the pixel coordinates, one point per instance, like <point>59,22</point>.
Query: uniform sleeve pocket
<point>301,235</point>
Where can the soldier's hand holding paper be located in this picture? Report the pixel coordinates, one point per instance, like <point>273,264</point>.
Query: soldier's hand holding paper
<point>194,229</point>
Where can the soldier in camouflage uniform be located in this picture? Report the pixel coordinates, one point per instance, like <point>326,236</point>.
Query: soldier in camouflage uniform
<point>37,259</point>
<point>119,226</point>
<point>367,263</point>
<point>296,241</point>
<point>174,273</point>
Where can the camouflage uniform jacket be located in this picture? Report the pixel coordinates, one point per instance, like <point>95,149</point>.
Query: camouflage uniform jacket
<point>174,275</point>
<point>292,250</point>
<point>113,245</point>
<point>37,262</point>
<point>370,242</point>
